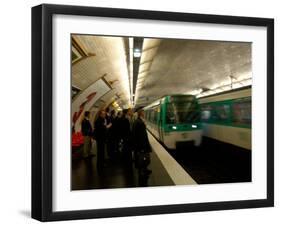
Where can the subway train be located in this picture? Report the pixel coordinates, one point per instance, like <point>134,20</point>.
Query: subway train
<point>175,120</point>
<point>227,117</point>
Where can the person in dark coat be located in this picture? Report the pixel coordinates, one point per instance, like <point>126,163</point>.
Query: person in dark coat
<point>100,131</point>
<point>126,136</point>
<point>141,143</point>
<point>125,125</point>
<point>86,129</point>
<point>107,116</point>
<point>117,130</point>
<point>112,136</point>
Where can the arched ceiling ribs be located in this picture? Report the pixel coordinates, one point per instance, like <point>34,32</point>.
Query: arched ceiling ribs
<point>147,48</point>
<point>111,58</point>
<point>149,51</point>
<point>105,80</point>
<point>79,51</point>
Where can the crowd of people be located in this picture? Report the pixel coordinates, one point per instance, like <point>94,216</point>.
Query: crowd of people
<point>122,133</point>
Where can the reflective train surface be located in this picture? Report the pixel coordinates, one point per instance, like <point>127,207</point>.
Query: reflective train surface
<point>174,120</point>
<point>179,119</point>
<point>228,117</point>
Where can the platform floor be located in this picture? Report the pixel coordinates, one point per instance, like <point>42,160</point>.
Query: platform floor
<point>213,162</point>
<point>116,174</point>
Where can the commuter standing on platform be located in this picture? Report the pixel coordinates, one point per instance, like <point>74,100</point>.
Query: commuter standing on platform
<point>100,135</point>
<point>131,118</point>
<point>118,129</point>
<point>107,116</point>
<point>107,122</point>
<point>141,144</point>
<point>87,132</point>
<point>119,114</point>
<point>126,135</point>
<point>112,136</point>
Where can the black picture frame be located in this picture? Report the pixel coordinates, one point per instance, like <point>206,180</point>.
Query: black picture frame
<point>42,107</point>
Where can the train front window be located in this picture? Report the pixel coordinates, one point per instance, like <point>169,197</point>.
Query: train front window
<point>182,112</point>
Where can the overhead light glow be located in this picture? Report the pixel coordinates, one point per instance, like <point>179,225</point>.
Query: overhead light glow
<point>137,53</point>
<point>131,44</point>
<point>195,92</point>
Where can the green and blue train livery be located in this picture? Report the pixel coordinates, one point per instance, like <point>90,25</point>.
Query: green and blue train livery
<point>225,117</point>
<point>228,117</point>
<point>175,119</point>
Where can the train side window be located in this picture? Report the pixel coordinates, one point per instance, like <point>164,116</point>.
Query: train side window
<point>242,112</point>
<point>155,115</point>
<point>152,115</point>
<point>148,115</point>
<point>216,113</point>
<point>222,113</point>
<point>158,114</point>
<point>206,113</point>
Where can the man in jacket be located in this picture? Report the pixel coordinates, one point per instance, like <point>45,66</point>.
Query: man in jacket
<point>126,137</point>
<point>112,139</point>
<point>141,144</point>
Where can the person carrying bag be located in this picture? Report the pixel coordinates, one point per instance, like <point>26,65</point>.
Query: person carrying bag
<point>141,144</point>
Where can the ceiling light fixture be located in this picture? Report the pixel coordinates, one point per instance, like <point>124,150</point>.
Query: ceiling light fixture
<point>131,44</point>
<point>137,53</point>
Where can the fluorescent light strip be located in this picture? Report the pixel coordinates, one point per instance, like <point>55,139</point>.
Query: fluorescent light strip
<point>131,46</point>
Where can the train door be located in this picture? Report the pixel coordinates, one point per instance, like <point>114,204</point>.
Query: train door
<point>160,122</point>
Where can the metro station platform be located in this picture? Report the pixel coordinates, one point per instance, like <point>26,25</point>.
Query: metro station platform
<point>116,174</point>
<point>213,162</point>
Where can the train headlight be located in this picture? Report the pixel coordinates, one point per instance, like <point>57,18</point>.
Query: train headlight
<point>174,127</point>
<point>194,126</point>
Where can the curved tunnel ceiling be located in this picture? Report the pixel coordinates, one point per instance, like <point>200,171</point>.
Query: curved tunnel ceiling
<point>180,66</point>
<point>166,66</point>
<point>109,60</point>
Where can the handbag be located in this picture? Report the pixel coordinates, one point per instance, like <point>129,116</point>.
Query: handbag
<point>142,159</point>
